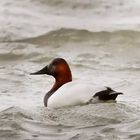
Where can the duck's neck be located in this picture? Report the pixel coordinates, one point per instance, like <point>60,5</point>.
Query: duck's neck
<point>58,83</point>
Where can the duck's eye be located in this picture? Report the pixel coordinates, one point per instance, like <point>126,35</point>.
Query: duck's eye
<point>52,68</point>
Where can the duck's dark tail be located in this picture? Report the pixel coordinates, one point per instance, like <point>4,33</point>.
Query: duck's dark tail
<point>107,94</point>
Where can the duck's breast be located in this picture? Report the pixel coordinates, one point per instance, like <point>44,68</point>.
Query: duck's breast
<point>72,93</point>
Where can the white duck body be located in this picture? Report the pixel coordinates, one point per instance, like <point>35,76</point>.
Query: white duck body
<point>73,93</point>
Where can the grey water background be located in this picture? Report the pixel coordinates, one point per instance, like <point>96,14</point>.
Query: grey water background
<point>100,39</point>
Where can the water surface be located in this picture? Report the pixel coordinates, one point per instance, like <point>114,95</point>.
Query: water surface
<point>100,41</point>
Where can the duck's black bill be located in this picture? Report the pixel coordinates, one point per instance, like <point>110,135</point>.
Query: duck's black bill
<point>42,71</point>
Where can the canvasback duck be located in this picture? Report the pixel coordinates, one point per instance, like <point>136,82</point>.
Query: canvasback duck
<point>66,92</point>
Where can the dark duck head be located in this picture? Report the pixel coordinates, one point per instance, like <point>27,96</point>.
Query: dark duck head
<point>60,70</point>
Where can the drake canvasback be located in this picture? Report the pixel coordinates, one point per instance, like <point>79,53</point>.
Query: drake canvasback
<point>66,92</point>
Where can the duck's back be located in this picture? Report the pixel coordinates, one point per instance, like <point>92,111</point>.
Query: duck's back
<point>72,93</point>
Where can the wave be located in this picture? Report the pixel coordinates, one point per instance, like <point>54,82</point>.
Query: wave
<point>70,4</point>
<point>69,123</point>
<point>102,50</point>
<point>69,34</point>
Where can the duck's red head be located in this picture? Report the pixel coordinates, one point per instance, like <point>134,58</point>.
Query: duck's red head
<point>59,69</point>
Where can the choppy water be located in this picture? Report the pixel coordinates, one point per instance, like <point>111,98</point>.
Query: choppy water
<point>100,41</point>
